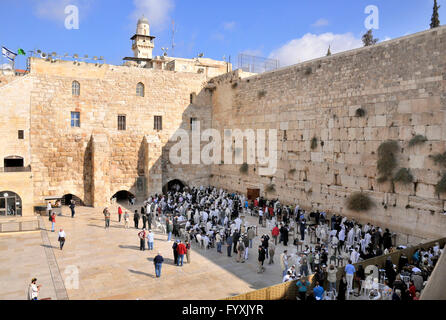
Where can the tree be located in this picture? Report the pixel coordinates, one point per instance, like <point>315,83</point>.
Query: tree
<point>435,20</point>
<point>329,51</point>
<point>368,39</point>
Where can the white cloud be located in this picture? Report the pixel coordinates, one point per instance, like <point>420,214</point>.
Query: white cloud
<point>312,46</point>
<point>387,39</point>
<point>156,11</point>
<point>229,25</point>
<point>253,52</point>
<point>6,66</point>
<point>320,23</point>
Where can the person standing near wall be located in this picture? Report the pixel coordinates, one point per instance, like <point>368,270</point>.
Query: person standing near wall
<point>107,218</point>
<point>72,206</point>
<point>136,219</point>
<point>126,219</point>
<point>119,214</point>
<point>53,221</point>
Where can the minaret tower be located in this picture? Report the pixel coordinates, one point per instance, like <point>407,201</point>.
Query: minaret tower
<point>142,41</point>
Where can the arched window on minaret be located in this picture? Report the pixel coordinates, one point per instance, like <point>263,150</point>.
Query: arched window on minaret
<point>140,89</point>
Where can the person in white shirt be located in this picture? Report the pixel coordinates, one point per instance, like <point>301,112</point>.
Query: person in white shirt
<point>61,238</point>
<point>150,240</point>
<point>33,290</point>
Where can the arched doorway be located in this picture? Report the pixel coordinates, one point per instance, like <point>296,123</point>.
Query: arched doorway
<point>123,196</point>
<point>66,200</point>
<point>174,185</point>
<point>10,204</point>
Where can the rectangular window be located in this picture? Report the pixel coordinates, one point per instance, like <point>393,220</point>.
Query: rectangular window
<point>21,134</point>
<point>193,123</point>
<point>121,122</point>
<point>158,123</point>
<point>75,119</point>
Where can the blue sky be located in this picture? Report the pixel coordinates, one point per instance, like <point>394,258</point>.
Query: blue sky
<point>291,31</point>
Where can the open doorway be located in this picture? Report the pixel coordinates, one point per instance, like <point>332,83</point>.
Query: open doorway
<point>174,185</point>
<point>123,196</point>
<point>66,200</point>
<point>253,194</point>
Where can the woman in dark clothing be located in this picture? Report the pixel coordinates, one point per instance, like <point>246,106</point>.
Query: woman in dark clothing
<point>390,272</point>
<point>342,289</point>
<point>360,275</point>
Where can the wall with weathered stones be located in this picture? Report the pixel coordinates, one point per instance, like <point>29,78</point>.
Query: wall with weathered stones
<point>400,84</point>
<point>96,160</point>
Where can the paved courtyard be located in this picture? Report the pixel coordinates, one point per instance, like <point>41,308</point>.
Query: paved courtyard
<point>111,266</point>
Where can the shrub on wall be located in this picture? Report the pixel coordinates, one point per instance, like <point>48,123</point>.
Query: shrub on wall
<point>386,159</point>
<point>261,94</point>
<point>360,112</point>
<point>418,139</point>
<point>404,176</point>
<point>441,185</point>
<point>292,171</point>
<point>308,71</point>
<point>358,201</point>
<point>439,159</point>
<point>234,85</point>
<point>270,188</point>
<point>313,143</point>
<point>244,168</point>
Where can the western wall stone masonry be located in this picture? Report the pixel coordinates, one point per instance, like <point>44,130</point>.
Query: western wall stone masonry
<point>401,85</point>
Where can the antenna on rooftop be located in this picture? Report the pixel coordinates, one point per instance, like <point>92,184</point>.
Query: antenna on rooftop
<point>173,37</point>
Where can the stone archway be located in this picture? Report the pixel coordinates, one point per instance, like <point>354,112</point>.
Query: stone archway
<point>10,204</point>
<point>66,199</point>
<point>123,196</point>
<point>174,184</point>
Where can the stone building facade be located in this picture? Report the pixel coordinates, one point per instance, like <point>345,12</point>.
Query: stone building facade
<point>400,84</point>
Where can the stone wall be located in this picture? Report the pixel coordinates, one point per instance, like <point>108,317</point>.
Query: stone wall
<point>400,84</point>
<point>96,160</point>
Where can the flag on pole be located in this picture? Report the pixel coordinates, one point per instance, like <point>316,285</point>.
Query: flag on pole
<point>22,52</point>
<point>8,54</point>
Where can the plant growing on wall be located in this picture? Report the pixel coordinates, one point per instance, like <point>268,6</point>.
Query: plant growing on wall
<point>441,185</point>
<point>308,71</point>
<point>261,94</point>
<point>360,112</point>
<point>292,171</point>
<point>404,176</point>
<point>386,159</point>
<point>418,139</point>
<point>244,168</point>
<point>358,201</point>
<point>270,188</point>
<point>439,159</point>
<point>234,85</point>
<point>313,143</point>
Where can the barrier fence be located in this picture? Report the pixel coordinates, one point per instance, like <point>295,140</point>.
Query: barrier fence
<point>288,290</point>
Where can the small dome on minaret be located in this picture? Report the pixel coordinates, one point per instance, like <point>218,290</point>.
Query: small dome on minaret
<point>143,27</point>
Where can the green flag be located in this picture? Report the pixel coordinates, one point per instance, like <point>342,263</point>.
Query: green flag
<point>21,51</point>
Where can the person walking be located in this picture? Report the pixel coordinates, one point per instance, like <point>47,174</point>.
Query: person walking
<point>72,206</point>
<point>33,290</point>
<point>272,250</point>
<point>49,210</point>
<point>284,262</point>
<point>218,239</point>
<point>342,289</point>
<point>136,219</point>
<point>158,262</point>
<point>106,213</point>
<point>150,240</point>
<point>142,239</point>
<point>126,220</point>
<point>187,244</point>
<point>169,229</point>
<point>240,252</point>
<point>149,219</point>
<point>119,214</point>
<point>349,273</point>
<point>229,245</point>
<point>261,259</point>
<point>251,235</point>
<point>144,218</point>
<point>61,239</point>
<point>181,250</point>
<point>175,252</point>
<point>53,221</point>
<point>332,278</point>
<point>275,233</point>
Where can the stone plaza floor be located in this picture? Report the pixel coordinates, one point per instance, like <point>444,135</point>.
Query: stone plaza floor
<point>110,265</point>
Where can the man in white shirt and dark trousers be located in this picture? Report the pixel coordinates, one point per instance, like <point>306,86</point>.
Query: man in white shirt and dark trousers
<point>61,238</point>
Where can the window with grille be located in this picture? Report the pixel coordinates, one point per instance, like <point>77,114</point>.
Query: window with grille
<point>21,134</point>
<point>121,122</point>
<point>140,90</point>
<point>158,123</point>
<point>76,88</point>
<point>75,119</point>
